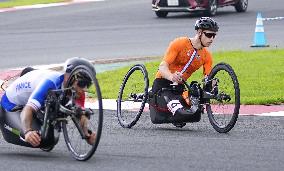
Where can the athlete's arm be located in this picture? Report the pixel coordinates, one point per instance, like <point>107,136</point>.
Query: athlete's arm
<point>169,58</point>
<point>31,136</point>
<point>207,66</point>
<point>166,73</point>
<point>38,96</point>
<point>26,118</point>
<point>35,102</point>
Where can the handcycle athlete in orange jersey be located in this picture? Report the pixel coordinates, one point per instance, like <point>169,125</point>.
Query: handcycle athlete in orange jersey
<point>183,57</point>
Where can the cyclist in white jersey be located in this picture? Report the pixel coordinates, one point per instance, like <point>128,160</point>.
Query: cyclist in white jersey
<point>30,90</point>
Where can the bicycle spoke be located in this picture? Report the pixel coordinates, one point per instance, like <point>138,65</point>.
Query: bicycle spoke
<point>132,96</point>
<point>87,121</point>
<point>223,109</point>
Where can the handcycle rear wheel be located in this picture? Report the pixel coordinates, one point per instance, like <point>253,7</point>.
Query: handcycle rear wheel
<point>77,144</point>
<point>223,110</point>
<point>132,96</point>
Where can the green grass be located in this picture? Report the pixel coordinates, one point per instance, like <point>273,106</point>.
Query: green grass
<point>260,74</point>
<point>13,3</point>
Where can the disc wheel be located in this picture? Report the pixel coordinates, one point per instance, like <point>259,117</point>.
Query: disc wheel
<point>223,109</point>
<point>80,146</point>
<point>132,96</point>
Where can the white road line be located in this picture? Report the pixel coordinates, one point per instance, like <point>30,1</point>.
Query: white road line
<point>280,113</point>
<point>39,6</point>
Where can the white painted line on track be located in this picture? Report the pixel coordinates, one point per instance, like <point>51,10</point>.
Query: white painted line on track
<point>280,113</point>
<point>39,6</point>
<point>109,104</point>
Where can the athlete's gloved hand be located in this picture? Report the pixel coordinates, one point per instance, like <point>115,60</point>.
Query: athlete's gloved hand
<point>176,77</point>
<point>205,80</point>
<point>88,112</point>
<point>33,138</point>
<point>78,110</point>
<point>207,84</point>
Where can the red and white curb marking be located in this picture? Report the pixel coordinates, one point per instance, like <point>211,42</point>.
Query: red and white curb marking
<point>46,5</point>
<point>251,110</point>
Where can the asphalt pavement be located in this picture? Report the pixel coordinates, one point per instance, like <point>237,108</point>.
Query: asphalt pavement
<point>255,143</point>
<point>126,29</point>
<point>120,29</point>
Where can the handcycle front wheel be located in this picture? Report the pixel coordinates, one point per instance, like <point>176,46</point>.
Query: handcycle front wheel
<point>132,96</point>
<point>76,140</point>
<point>223,109</point>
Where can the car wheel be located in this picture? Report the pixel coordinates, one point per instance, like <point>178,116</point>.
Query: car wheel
<point>161,14</point>
<point>241,5</point>
<point>212,8</point>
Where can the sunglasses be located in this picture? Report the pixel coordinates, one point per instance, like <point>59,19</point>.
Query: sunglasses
<point>209,35</point>
<point>83,83</point>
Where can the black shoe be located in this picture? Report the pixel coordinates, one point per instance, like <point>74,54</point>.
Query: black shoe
<point>184,111</point>
<point>189,110</point>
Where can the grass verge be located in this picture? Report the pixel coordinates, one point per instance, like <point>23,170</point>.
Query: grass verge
<point>13,3</point>
<point>260,74</point>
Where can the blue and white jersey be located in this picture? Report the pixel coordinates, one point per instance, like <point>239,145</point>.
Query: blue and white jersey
<point>31,89</point>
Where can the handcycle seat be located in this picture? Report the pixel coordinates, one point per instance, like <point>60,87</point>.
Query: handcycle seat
<point>159,112</point>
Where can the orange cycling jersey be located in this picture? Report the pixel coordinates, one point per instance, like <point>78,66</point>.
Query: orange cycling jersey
<point>179,53</point>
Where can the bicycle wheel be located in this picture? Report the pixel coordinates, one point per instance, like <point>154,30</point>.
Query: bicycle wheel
<point>132,96</point>
<point>78,144</point>
<point>223,109</point>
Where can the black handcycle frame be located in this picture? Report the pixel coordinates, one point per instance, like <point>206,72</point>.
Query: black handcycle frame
<point>207,93</point>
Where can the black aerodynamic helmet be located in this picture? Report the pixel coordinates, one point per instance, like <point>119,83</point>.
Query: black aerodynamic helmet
<point>82,77</point>
<point>72,63</point>
<point>206,23</point>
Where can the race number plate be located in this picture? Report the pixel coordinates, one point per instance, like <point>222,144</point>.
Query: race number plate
<point>172,2</point>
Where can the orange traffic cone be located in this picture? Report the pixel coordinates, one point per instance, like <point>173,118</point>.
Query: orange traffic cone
<point>259,36</point>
